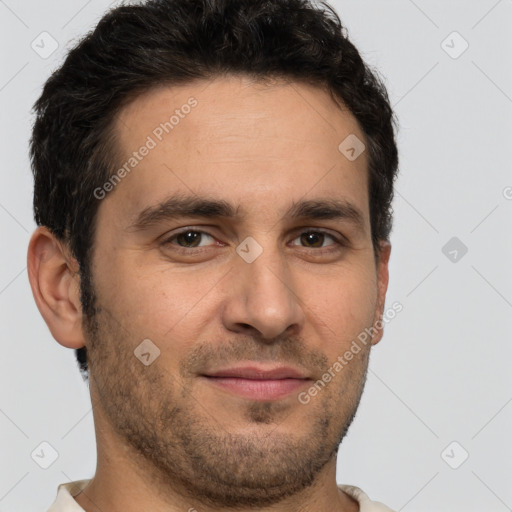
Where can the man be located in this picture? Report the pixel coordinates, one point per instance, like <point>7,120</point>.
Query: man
<point>213,181</point>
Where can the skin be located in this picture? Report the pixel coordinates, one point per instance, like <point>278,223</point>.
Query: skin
<point>167,438</point>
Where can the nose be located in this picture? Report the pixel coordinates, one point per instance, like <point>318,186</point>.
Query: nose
<point>261,297</point>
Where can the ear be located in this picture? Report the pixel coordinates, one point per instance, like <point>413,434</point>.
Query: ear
<point>55,283</point>
<point>382,287</point>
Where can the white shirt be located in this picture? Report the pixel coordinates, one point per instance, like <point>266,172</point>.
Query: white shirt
<point>66,503</point>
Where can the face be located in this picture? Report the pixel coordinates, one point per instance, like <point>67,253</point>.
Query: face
<point>238,246</point>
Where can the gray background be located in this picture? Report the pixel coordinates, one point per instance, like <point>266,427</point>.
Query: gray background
<point>441,373</point>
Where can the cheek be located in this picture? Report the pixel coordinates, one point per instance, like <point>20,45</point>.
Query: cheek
<point>344,306</point>
<point>156,302</point>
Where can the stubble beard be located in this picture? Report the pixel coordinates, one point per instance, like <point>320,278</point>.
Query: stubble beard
<point>179,444</point>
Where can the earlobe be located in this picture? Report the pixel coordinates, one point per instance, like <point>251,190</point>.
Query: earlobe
<point>54,279</point>
<point>382,287</point>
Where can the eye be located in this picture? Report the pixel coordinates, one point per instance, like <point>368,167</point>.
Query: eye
<point>315,239</point>
<point>193,238</point>
<point>189,239</point>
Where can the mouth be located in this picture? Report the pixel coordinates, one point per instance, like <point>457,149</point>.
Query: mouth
<point>257,382</point>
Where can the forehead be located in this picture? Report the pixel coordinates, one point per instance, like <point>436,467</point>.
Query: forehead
<point>235,137</point>
<point>283,111</point>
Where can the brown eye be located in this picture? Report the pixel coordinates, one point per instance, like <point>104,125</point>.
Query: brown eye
<point>312,239</point>
<point>315,239</point>
<point>189,239</point>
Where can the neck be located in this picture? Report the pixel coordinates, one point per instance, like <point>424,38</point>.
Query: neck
<point>123,483</point>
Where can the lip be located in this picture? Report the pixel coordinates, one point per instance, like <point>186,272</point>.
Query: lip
<point>258,382</point>
<point>259,372</point>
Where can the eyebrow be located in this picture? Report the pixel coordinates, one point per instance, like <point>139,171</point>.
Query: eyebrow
<point>180,206</point>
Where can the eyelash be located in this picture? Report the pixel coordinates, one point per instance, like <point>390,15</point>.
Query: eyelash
<point>338,242</point>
